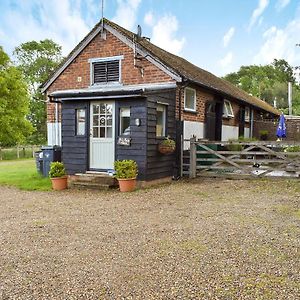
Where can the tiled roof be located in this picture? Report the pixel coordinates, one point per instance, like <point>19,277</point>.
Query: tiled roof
<point>183,68</point>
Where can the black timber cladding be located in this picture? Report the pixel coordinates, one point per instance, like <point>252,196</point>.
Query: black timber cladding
<point>138,134</point>
<point>143,147</point>
<point>158,165</point>
<point>74,148</point>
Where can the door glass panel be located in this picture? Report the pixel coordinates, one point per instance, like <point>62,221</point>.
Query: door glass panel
<point>102,120</point>
<point>95,109</point>
<point>102,132</point>
<point>109,132</point>
<point>95,120</point>
<point>95,132</point>
<point>102,108</point>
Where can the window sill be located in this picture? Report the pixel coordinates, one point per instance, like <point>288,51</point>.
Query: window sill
<point>191,111</point>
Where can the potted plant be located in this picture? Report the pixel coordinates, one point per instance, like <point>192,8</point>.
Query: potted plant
<point>263,134</point>
<point>167,146</point>
<point>58,176</point>
<point>126,173</point>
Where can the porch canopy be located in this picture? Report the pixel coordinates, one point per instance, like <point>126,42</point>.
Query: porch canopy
<point>111,91</point>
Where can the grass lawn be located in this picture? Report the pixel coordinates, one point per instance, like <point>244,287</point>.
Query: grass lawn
<point>22,174</point>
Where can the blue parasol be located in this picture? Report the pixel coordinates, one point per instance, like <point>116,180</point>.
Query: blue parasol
<point>281,129</point>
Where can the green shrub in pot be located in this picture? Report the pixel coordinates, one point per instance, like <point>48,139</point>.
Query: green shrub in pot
<point>126,173</point>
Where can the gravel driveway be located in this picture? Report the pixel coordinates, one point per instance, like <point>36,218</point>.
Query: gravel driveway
<point>204,239</point>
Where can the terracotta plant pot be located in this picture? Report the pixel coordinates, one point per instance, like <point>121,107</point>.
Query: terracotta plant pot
<point>127,185</point>
<point>165,149</point>
<point>59,183</point>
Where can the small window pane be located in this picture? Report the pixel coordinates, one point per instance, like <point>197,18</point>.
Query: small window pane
<point>190,99</point>
<point>80,122</point>
<point>109,132</point>
<point>95,109</point>
<point>125,121</point>
<point>161,120</point>
<point>102,132</point>
<point>95,132</point>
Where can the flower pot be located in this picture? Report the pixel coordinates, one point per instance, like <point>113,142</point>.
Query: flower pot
<point>165,149</point>
<point>59,183</point>
<point>127,185</point>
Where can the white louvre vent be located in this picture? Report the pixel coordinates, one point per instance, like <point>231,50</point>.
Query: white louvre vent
<point>106,71</point>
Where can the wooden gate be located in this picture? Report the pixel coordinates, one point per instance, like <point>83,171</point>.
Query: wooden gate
<point>241,159</point>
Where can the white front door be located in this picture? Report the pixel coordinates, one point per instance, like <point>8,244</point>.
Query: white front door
<point>102,135</point>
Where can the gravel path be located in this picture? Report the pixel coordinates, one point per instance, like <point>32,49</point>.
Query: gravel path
<point>211,239</point>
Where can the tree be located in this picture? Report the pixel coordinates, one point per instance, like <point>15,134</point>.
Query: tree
<point>37,61</point>
<point>267,82</point>
<point>14,104</point>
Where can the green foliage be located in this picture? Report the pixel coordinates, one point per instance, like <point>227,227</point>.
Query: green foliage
<point>168,142</point>
<point>57,169</point>
<point>37,61</point>
<point>14,103</point>
<point>235,146</point>
<point>292,149</point>
<point>23,175</point>
<point>126,169</point>
<point>268,82</point>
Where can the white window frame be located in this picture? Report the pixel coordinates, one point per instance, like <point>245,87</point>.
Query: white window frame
<point>164,107</point>
<point>78,133</point>
<point>247,114</point>
<point>105,59</point>
<point>195,100</point>
<point>226,113</point>
<point>120,119</point>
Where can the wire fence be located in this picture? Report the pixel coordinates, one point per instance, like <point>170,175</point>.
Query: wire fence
<point>19,152</point>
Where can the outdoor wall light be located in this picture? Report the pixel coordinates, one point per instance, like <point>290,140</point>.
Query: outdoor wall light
<point>137,122</point>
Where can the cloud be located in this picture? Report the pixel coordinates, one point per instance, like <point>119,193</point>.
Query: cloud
<point>281,4</point>
<point>258,11</point>
<point>280,43</point>
<point>226,61</point>
<point>37,20</point>
<point>228,36</point>
<point>149,19</point>
<point>126,13</point>
<point>164,34</point>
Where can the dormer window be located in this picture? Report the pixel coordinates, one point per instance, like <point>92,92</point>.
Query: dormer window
<point>106,70</point>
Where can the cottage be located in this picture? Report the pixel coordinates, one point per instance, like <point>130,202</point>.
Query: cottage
<point>116,96</point>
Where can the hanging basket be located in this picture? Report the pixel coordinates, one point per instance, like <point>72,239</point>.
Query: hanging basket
<point>166,146</point>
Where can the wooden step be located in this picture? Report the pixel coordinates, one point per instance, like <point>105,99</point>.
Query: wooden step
<point>89,185</point>
<point>99,179</point>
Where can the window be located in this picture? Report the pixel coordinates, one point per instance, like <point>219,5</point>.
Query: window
<point>227,110</point>
<point>105,70</point>
<point>125,121</point>
<point>161,116</point>
<point>80,121</point>
<point>190,99</point>
<point>247,114</point>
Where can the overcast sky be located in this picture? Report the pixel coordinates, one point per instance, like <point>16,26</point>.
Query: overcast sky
<point>217,35</point>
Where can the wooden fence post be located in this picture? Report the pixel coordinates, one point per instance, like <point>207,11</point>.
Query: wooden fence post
<point>18,152</point>
<point>193,157</point>
<point>1,154</point>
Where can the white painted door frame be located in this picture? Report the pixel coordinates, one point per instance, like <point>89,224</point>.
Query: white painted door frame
<point>102,135</point>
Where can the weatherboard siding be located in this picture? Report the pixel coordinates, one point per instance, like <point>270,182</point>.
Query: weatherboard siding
<point>159,165</point>
<point>74,148</point>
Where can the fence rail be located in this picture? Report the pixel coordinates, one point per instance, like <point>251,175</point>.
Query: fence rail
<point>18,152</point>
<point>241,159</point>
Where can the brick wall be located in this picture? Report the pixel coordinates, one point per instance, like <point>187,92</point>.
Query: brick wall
<point>292,127</point>
<point>202,97</point>
<point>98,47</point>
